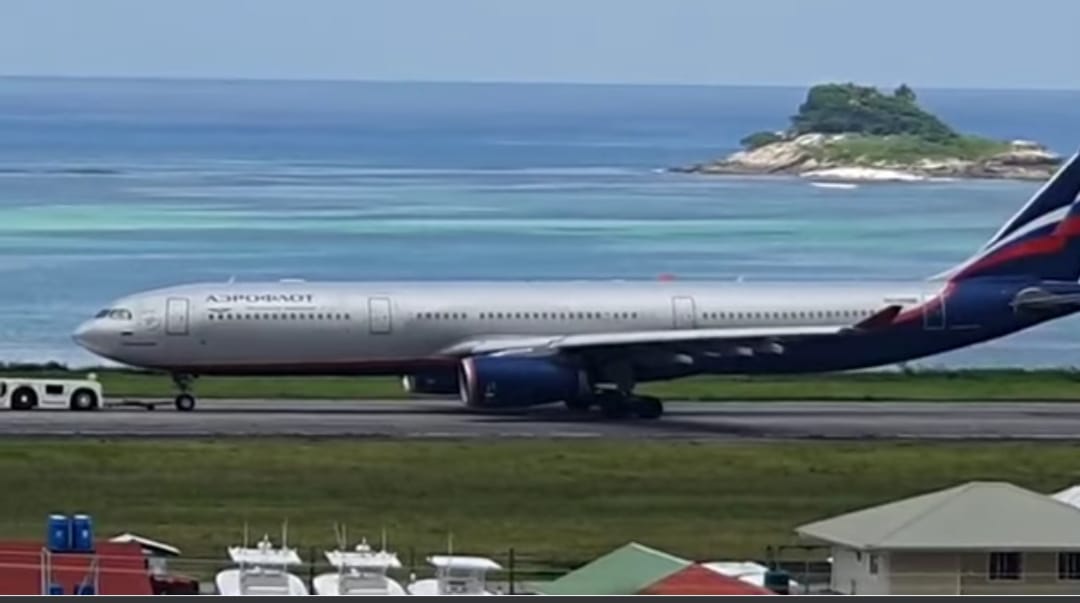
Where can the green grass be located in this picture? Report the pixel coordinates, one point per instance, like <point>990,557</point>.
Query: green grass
<point>866,150</point>
<point>941,385</point>
<point>558,503</point>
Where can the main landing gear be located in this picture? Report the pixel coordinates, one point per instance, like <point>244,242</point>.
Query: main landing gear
<point>185,400</point>
<point>614,404</point>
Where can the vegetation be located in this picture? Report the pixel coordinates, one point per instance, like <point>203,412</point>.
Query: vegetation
<point>558,503</point>
<point>906,148</point>
<point>919,385</point>
<point>876,128</point>
<point>760,139</point>
<point>848,108</point>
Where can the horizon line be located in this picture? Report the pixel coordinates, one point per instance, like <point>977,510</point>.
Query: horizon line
<point>499,82</point>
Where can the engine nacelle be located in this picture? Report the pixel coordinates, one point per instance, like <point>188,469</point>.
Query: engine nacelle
<point>438,383</point>
<point>490,382</point>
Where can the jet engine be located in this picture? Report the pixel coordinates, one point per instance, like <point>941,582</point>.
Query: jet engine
<point>438,383</point>
<point>507,381</point>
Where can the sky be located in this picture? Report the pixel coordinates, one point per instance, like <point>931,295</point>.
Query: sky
<point>938,43</point>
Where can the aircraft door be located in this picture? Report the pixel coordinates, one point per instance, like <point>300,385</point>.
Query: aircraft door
<point>934,318</point>
<point>683,311</point>
<point>176,316</point>
<point>379,318</point>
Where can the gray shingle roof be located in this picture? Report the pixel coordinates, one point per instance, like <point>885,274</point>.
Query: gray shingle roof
<point>972,516</point>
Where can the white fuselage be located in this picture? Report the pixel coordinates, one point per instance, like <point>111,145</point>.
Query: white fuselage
<point>389,328</point>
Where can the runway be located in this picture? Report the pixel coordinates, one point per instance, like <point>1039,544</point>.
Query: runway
<point>735,421</point>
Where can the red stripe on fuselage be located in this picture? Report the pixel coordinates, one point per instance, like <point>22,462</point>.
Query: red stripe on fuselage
<point>1051,243</point>
<point>1069,227</point>
<point>1045,245</point>
<point>918,311</point>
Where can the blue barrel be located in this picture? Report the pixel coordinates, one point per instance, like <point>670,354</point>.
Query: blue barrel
<point>59,538</point>
<point>56,589</point>
<point>82,534</point>
<point>84,589</point>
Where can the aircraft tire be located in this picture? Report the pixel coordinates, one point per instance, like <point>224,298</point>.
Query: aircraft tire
<point>185,402</point>
<point>581,404</point>
<point>23,398</point>
<point>613,405</point>
<point>647,407</point>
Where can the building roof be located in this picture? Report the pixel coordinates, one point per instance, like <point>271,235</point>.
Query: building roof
<point>972,516</point>
<point>122,569</point>
<point>467,562</point>
<point>1069,496</point>
<point>697,579</point>
<point>748,571</point>
<point>624,571</point>
<point>153,546</point>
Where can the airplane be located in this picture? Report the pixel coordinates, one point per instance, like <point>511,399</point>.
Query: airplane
<point>588,344</point>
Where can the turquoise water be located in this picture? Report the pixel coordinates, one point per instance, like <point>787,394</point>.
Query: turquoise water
<point>109,187</point>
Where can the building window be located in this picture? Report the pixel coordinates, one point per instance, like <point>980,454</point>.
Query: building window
<point>1005,566</point>
<point>873,564</point>
<point>1068,566</point>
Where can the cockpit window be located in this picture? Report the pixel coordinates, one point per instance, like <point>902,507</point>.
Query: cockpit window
<point>114,313</point>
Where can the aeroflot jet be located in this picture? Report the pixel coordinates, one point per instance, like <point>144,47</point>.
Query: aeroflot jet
<point>590,343</point>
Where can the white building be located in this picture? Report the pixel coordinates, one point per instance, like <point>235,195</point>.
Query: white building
<point>977,538</point>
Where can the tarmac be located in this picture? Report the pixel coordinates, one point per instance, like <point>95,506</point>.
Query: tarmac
<point>447,419</point>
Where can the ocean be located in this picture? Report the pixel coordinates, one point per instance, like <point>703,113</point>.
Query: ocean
<point>108,187</point>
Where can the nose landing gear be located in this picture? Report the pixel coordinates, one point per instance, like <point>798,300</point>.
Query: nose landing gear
<point>185,400</point>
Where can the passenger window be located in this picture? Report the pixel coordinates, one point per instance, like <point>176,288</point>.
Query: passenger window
<point>54,389</point>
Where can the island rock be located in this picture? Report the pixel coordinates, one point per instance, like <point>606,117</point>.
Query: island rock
<point>850,133</point>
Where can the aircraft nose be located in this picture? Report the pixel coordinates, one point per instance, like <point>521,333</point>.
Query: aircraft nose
<point>91,335</point>
<point>80,333</point>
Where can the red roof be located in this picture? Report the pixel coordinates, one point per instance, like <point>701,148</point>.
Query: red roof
<point>699,580</point>
<point>122,569</point>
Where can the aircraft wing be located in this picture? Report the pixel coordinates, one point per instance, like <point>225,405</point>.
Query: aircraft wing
<point>704,339</point>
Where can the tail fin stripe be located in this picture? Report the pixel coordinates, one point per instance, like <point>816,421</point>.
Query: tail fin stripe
<point>1051,219</point>
<point>1046,244</point>
<point>1040,240</point>
<point>1043,201</point>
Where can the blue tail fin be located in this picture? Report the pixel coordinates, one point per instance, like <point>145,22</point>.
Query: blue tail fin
<point>1042,240</point>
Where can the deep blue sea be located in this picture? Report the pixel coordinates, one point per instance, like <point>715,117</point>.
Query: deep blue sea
<point>112,186</point>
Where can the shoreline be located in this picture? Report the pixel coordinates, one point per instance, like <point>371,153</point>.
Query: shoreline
<point>819,157</point>
<point>902,176</point>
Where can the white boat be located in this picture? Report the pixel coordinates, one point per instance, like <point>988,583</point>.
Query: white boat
<point>456,575</point>
<point>836,185</point>
<point>361,571</point>
<point>261,571</point>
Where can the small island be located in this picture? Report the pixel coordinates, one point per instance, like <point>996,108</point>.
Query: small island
<point>852,133</point>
